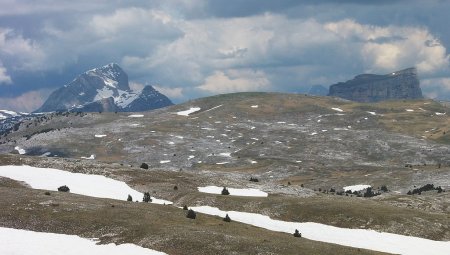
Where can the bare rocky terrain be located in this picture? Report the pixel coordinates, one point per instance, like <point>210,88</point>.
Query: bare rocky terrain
<point>302,149</point>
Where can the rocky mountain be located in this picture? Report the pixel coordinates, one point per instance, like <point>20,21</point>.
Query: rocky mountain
<point>402,84</point>
<point>103,89</point>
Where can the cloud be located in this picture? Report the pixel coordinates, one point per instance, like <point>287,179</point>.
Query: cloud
<point>188,47</point>
<point>172,93</point>
<point>389,48</point>
<point>19,52</point>
<point>26,102</point>
<point>436,88</point>
<point>235,81</point>
<point>4,77</point>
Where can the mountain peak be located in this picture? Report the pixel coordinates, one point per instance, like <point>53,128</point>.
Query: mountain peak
<point>89,90</point>
<point>112,75</point>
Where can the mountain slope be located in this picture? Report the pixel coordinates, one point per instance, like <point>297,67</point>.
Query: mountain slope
<point>103,89</point>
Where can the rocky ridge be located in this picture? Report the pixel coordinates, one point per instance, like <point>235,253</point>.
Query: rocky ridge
<point>402,84</point>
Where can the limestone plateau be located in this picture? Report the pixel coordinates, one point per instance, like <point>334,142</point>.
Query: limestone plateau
<point>103,89</point>
<point>402,84</point>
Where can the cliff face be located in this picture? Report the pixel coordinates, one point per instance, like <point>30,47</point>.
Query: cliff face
<point>402,84</point>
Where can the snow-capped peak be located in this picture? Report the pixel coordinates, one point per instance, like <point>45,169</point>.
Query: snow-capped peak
<point>111,74</point>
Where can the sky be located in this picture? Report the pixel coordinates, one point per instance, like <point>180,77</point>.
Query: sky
<point>194,48</point>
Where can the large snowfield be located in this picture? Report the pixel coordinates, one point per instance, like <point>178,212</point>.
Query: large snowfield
<point>24,242</point>
<point>78,183</point>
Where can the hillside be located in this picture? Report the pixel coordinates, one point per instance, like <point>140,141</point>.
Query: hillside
<point>302,149</point>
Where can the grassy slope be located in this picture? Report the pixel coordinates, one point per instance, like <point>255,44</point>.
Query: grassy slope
<point>158,227</point>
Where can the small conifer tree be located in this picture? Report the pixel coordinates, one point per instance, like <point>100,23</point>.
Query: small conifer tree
<point>227,218</point>
<point>191,214</point>
<point>297,234</point>
<point>225,191</point>
<point>147,197</point>
<point>185,207</point>
<point>64,188</point>
<point>129,199</point>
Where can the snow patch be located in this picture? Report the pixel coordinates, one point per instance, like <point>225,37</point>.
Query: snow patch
<point>233,192</point>
<point>164,161</point>
<point>25,242</point>
<point>20,150</point>
<point>99,136</point>
<point>136,115</point>
<point>440,113</point>
<point>187,112</point>
<point>372,113</point>
<point>83,184</point>
<point>91,157</point>
<point>337,109</point>
<point>254,106</point>
<point>358,238</point>
<point>354,188</point>
<point>409,110</point>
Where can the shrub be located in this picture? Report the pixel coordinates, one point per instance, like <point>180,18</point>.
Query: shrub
<point>129,199</point>
<point>144,166</point>
<point>225,191</point>
<point>185,207</point>
<point>175,187</point>
<point>297,234</point>
<point>227,218</point>
<point>191,214</point>
<point>254,179</point>
<point>384,188</point>
<point>64,188</point>
<point>47,193</point>
<point>147,197</point>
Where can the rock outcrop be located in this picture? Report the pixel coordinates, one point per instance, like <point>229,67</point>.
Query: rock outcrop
<point>402,84</point>
<point>103,89</point>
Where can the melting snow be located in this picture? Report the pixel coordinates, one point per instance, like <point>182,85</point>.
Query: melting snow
<point>356,187</point>
<point>234,192</point>
<point>83,184</point>
<point>25,242</point>
<point>187,112</point>
<point>337,109</point>
<point>136,115</point>
<point>359,238</point>
<point>20,150</point>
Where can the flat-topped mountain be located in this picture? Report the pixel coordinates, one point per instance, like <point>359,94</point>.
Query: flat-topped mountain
<point>103,89</point>
<point>402,84</point>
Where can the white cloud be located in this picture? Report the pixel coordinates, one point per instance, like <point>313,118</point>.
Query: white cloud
<point>26,102</point>
<point>4,77</point>
<point>235,81</point>
<point>390,48</point>
<point>436,87</point>
<point>170,92</point>
<point>22,53</point>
